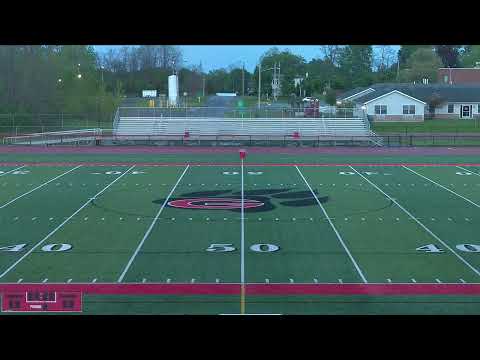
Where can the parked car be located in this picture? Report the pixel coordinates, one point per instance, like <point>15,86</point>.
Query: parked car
<point>308,99</point>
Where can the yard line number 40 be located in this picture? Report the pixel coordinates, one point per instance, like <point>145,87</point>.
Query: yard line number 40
<point>432,248</point>
<point>45,248</point>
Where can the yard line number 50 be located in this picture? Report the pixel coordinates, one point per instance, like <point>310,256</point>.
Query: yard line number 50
<point>255,247</point>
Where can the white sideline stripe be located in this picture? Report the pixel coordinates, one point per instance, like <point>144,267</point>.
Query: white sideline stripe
<point>63,223</point>
<point>8,172</point>
<point>420,223</point>
<point>443,187</point>
<point>242,237</point>
<point>470,171</point>
<point>38,187</point>
<point>334,228</point>
<point>149,230</point>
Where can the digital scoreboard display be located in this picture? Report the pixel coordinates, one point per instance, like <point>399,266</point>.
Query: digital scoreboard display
<point>42,301</point>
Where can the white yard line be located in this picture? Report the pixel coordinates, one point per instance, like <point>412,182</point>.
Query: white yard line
<point>334,228</point>
<point>149,230</point>
<point>470,171</point>
<point>8,172</point>
<point>242,238</point>
<point>419,223</point>
<point>38,187</point>
<point>443,187</point>
<point>63,223</point>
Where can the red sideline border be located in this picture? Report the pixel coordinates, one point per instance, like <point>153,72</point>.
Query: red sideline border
<point>251,289</point>
<point>75,163</point>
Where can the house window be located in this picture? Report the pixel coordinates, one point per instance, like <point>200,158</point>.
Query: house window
<point>450,108</point>
<point>408,109</point>
<point>478,110</point>
<point>380,109</point>
<point>445,79</point>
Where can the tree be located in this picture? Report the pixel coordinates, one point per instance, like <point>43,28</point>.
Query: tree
<point>406,51</point>
<point>384,57</point>
<point>331,97</point>
<point>355,64</point>
<point>422,64</point>
<point>291,65</point>
<point>470,57</point>
<point>449,54</point>
<point>433,101</point>
<point>331,53</point>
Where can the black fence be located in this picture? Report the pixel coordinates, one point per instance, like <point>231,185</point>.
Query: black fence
<point>106,138</point>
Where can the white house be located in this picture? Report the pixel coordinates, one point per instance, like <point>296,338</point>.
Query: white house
<point>415,102</point>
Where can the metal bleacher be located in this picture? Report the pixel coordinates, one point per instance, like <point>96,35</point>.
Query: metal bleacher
<point>142,124</point>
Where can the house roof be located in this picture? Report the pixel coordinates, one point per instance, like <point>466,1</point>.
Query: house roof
<point>422,92</point>
<point>394,91</point>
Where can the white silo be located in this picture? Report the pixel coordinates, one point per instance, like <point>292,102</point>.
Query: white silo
<point>173,90</point>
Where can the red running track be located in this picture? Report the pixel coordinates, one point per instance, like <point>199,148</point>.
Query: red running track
<point>101,163</point>
<point>344,150</point>
<point>251,289</point>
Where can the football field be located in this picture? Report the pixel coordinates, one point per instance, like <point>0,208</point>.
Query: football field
<point>246,237</point>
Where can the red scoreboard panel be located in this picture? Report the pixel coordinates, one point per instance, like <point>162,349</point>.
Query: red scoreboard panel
<point>42,301</point>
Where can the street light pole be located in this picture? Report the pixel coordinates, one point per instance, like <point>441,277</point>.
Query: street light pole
<point>259,81</point>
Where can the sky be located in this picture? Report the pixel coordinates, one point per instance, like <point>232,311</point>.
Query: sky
<point>221,56</point>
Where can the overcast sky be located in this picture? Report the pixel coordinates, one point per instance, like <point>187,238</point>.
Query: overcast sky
<point>221,56</point>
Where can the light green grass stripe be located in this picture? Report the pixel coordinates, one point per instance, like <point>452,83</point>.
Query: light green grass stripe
<point>419,223</point>
<point>64,222</point>
<point>149,230</point>
<point>334,228</point>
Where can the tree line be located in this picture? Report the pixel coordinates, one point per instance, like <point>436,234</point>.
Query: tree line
<point>53,79</point>
<point>76,79</point>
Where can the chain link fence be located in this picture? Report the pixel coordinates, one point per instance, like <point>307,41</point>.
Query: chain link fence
<point>16,124</point>
<point>228,112</point>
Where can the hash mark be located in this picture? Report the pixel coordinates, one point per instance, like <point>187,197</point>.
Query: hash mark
<point>389,280</point>
<point>19,281</point>
<point>45,280</point>
<point>463,281</point>
<point>168,281</point>
<point>69,281</point>
<point>413,280</point>
<point>438,281</point>
<point>217,280</point>
<point>94,280</point>
<point>267,281</point>
<point>291,281</point>
<point>192,281</point>
<point>315,281</point>
<point>144,280</point>
<point>340,281</point>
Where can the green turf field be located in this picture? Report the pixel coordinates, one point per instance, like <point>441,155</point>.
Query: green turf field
<point>202,224</point>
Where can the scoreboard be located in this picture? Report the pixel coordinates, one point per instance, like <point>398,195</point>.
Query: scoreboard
<point>42,301</point>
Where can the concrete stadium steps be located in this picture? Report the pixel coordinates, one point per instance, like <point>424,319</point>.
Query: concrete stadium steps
<point>217,126</point>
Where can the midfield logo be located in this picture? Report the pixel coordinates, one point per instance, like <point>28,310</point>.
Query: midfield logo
<point>254,200</point>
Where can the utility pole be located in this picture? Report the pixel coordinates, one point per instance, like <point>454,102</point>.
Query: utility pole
<point>259,81</point>
<point>204,86</point>
<point>243,79</point>
<point>398,67</point>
